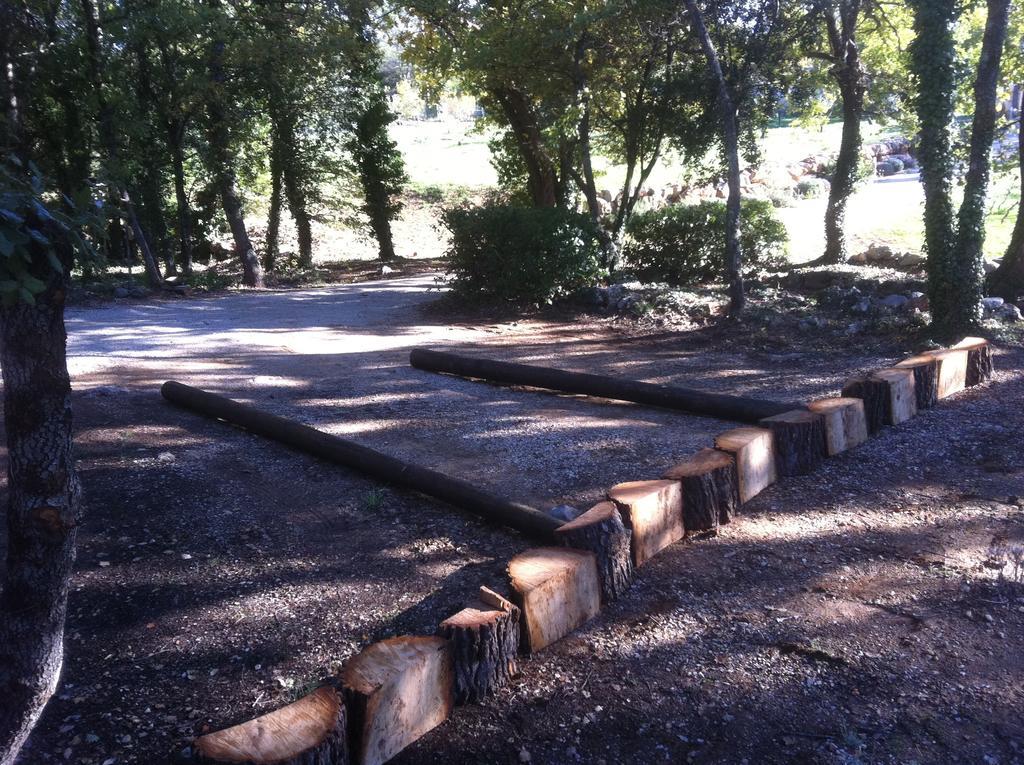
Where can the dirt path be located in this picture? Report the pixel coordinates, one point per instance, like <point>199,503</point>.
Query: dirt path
<point>852,616</point>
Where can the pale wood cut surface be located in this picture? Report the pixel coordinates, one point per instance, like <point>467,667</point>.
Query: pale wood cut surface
<point>559,588</point>
<point>846,424</point>
<point>755,458</point>
<point>653,510</point>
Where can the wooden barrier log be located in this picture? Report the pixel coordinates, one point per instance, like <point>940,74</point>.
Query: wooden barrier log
<point>601,531</point>
<point>690,400</point>
<point>310,731</point>
<point>340,451</point>
<point>889,397</point>
<point>952,371</point>
<point>396,691</point>
<point>979,360</point>
<point>926,378</point>
<point>799,438</point>
<point>845,423</point>
<point>485,639</point>
<point>754,452</point>
<point>558,589</point>
<point>653,510</point>
<point>710,486</point>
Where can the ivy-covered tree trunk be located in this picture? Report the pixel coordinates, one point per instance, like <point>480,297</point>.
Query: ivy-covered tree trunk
<point>1007,281</point>
<point>276,198</point>
<point>543,175</point>
<point>175,142</point>
<point>731,148</point>
<point>43,504</point>
<point>954,243</point>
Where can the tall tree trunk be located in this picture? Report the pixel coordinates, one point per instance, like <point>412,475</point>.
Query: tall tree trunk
<point>731,147</point>
<point>276,197</point>
<point>43,506</point>
<point>543,175</point>
<point>1007,281</point>
<point>224,167</point>
<point>175,142</point>
<point>967,263</point>
<point>303,223</point>
<point>108,135</point>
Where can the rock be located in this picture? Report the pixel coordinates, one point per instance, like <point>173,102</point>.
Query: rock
<point>385,270</point>
<point>894,301</point>
<point>615,293</point>
<point>859,259</point>
<point>989,267</point>
<point>879,253</point>
<point>911,260</point>
<point>992,303</point>
<point>138,292</point>
<point>862,306</point>
<point>165,457</point>
<point>565,513</point>
<point>626,303</point>
<point>1010,313</point>
<point>596,297</point>
<point>524,755</point>
<point>121,292</point>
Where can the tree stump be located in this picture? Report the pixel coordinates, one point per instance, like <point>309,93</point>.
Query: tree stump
<point>653,510</point>
<point>888,395</point>
<point>485,640</point>
<point>926,378</point>
<point>845,423</point>
<point>754,452</point>
<point>711,493</point>
<point>396,690</point>
<point>800,444</point>
<point>310,731</point>
<point>601,531</point>
<point>952,371</point>
<point>558,590</point>
<point>979,360</point>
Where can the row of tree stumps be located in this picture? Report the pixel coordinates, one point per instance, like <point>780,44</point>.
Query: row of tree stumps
<point>395,691</point>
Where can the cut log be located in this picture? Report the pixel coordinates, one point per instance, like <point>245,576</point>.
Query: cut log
<point>799,440</point>
<point>689,400</point>
<point>396,690</point>
<point>711,490</point>
<point>889,397</point>
<point>310,731</point>
<point>601,531</point>
<point>558,589</point>
<point>979,360</point>
<point>952,374</point>
<point>653,510</point>
<point>754,452</point>
<point>926,378</point>
<point>485,640</point>
<point>845,423</point>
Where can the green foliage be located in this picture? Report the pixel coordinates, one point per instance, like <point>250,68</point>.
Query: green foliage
<point>685,244</point>
<point>30,230</point>
<point>520,254</point>
<point>865,168</point>
<point>812,188</point>
<point>890,166</point>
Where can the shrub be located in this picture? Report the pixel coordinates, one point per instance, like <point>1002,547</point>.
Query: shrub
<point>519,254</point>
<point>865,167</point>
<point>685,244</point>
<point>813,188</point>
<point>890,166</point>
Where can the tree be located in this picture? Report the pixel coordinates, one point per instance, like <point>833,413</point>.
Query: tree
<point>954,242</point>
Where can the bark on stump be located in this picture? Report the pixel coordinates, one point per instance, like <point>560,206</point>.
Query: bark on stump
<point>485,642</point>
<point>558,590</point>
<point>889,397</point>
<point>979,359</point>
<point>601,531</point>
<point>653,510</point>
<point>800,444</point>
<point>845,422</point>
<point>926,378</point>
<point>396,691</point>
<point>310,731</point>
<point>711,491</point>
<point>952,371</point>
<point>754,452</point>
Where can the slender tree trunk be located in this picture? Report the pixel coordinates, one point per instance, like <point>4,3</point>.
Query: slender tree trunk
<point>224,167</point>
<point>543,176</point>
<point>731,148</point>
<point>967,264</point>
<point>276,197</point>
<point>43,506</point>
<point>303,223</point>
<point>1007,281</point>
<point>376,206</point>
<point>108,135</point>
<point>175,142</point>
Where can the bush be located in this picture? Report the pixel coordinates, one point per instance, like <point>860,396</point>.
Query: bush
<point>890,166</point>
<point>685,244</point>
<point>813,188</point>
<point>865,167</point>
<point>519,254</point>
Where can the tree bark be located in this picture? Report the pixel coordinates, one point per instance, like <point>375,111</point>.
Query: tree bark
<point>731,148</point>
<point>274,215</point>
<point>224,167</point>
<point>297,205</point>
<point>1007,281</point>
<point>175,142</point>
<point>43,506</point>
<point>967,263</point>
<point>543,183</point>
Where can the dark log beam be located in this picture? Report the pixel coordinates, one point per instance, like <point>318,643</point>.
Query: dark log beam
<point>692,401</point>
<point>455,491</point>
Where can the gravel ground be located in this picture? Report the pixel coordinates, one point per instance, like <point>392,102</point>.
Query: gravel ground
<point>866,613</point>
